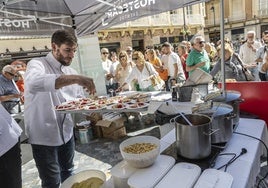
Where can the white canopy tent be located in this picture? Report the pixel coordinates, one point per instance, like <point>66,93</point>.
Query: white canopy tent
<point>86,16</point>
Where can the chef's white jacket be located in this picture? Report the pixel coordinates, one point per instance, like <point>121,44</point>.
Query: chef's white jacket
<point>44,125</point>
<point>9,131</point>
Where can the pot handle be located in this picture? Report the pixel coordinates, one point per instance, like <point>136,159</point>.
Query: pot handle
<point>231,116</point>
<point>212,132</point>
<point>240,100</point>
<point>172,120</point>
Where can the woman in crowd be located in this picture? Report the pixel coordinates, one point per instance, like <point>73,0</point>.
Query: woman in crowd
<point>211,53</point>
<point>233,68</point>
<point>123,69</point>
<point>264,68</point>
<point>142,72</point>
<point>157,64</point>
<point>183,54</point>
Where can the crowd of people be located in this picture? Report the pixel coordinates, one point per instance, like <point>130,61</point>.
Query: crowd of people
<point>178,62</point>
<point>49,81</point>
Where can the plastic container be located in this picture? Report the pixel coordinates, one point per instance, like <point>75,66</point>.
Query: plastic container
<point>149,177</point>
<point>214,178</point>
<point>184,174</point>
<point>120,174</point>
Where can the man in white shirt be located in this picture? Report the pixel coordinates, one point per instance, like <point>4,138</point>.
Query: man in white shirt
<point>107,68</point>
<point>172,63</point>
<point>261,55</point>
<point>248,51</point>
<point>49,81</point>
<point>10,154</point>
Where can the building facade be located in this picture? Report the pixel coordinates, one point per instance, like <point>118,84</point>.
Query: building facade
<point>173,26</point>
<point>182,24</point>
<point>239,18</point>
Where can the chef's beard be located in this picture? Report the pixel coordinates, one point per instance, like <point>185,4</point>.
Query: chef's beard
<point>65,61</point>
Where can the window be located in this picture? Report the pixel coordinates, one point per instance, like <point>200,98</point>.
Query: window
<point>263,7</point>
<point>189,10</point>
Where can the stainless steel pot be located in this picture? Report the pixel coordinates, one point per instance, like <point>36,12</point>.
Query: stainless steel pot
<point>193,142</point>
<point>222,120</point>
<point>232,98</point>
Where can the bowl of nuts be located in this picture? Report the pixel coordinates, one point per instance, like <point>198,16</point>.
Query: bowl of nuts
<point>140,151</point>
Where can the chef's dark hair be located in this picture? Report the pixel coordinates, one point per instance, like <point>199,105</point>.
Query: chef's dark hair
<point>60,37</point>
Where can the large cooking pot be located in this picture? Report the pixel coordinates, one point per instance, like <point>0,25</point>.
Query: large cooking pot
<point>229,97</point>
<point>193,142</point>
<point>222,120</point>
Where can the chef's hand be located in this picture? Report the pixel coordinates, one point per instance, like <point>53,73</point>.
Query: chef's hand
<point>88,84</point>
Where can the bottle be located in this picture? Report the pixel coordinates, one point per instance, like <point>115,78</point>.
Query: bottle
<point>137,85</point>
<point>174,94</point>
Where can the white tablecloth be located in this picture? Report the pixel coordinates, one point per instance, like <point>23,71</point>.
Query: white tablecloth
<point>246,168</point>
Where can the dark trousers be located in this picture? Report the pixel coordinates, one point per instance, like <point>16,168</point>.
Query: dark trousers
<point>10,168</point>
<point>54,163</point>
<point>262,76</point>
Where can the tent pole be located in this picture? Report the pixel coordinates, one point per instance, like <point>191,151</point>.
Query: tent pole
<point>222,46</point>
<point>78,49</point>
<point>78,55</point>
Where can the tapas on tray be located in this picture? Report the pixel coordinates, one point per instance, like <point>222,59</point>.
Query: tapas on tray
<point>137,105</point>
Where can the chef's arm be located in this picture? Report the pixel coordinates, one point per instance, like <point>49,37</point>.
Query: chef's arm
<point>65,80</point>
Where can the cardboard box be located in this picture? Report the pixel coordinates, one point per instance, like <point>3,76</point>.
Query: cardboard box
<point>112,129</point>
<point>94,117</point>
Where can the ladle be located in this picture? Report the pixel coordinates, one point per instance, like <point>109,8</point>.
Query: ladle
<point>185,118</point>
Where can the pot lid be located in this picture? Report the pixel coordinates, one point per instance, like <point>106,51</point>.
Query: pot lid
<point>217,109</point>
<point>228,96</point>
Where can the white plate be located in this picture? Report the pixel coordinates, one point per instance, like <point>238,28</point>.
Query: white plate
<point>93,107</point>
<point>115,106</point>
<point>137,105</point>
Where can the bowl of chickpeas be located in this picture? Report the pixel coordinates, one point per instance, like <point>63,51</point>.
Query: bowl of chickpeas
<point>140,151</point>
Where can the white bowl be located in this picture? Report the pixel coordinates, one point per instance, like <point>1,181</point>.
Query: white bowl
<point>83,175</point>
<point>141,160</point>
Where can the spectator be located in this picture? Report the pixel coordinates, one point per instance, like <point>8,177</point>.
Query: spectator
<point>183,54</point>
<point>248,51</point>
<point>115,63</point>
<point>129,51</point>
<point>123,69</point>
<point>107,66</point>
<point>10,153</point>
<point>142,72</point>
<point>211,53</point>
<point>50,81</point>
<point>20,68</point>
<point>264,69</point>
<point>233,68</point>
<point>156,62</point>
<point>198,57</point>
<point>261,54</point>
<point>171,61</point>
<point>9,92</point>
